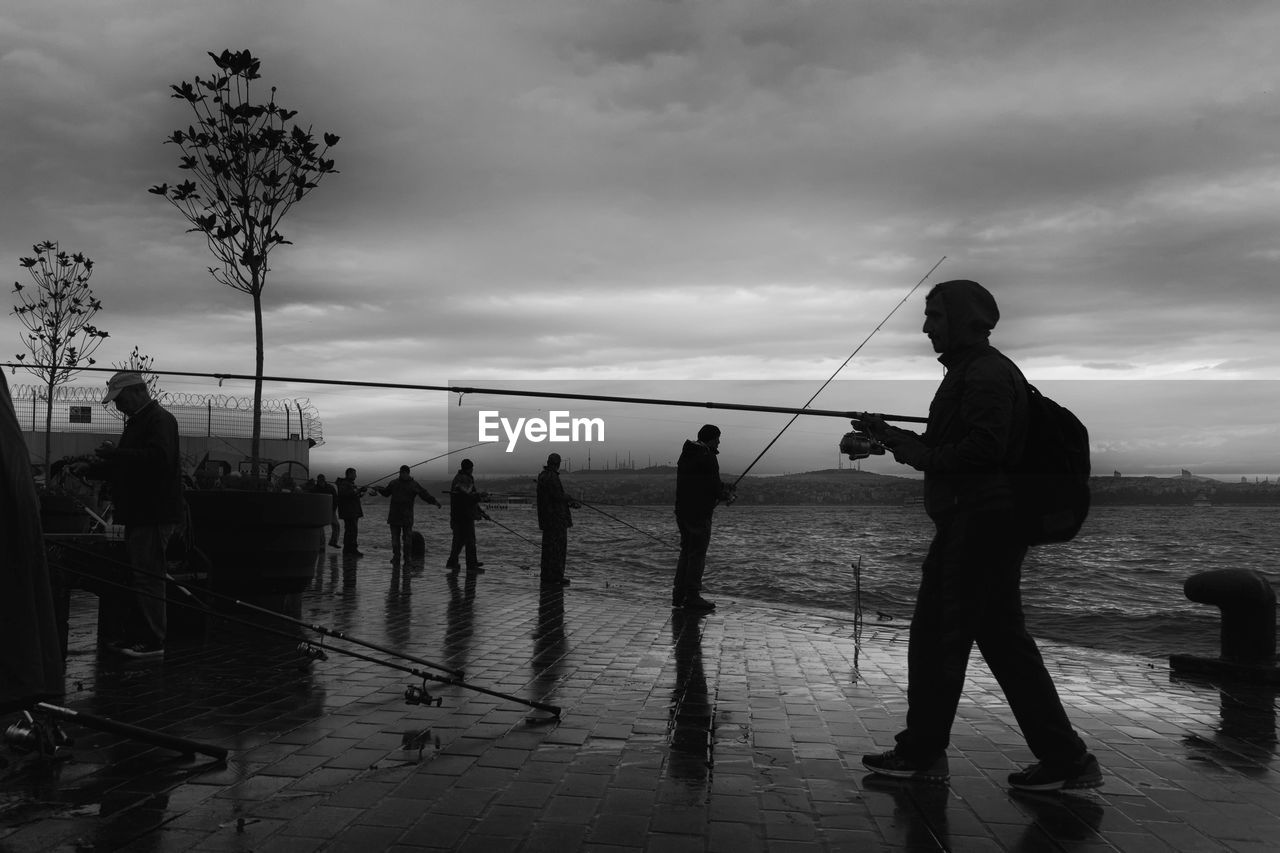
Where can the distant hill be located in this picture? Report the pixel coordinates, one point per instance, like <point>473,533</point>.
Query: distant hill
<point>656,486</point>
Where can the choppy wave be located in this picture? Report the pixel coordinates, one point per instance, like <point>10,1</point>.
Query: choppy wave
<point>1117,587</point>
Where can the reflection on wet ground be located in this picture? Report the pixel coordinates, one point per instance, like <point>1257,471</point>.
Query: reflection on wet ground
<point>739,730</point>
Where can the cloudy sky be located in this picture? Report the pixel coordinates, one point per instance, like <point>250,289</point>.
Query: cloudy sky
<point>730,191</point>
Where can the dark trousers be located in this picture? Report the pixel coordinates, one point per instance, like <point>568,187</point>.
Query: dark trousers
<point>970,593</point>
<point>695,538</point>
<point>350,532</point>
<point>146,546</point>
<point>555,548</point>
<point>464,536</point>
<point>401,534</point>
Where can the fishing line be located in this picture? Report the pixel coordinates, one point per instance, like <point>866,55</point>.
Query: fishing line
<point>824,385</point>
<point>425,461</point>
<point>625,524</point>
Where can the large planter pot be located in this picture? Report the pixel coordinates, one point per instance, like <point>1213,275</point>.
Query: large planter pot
<point>259,543</point>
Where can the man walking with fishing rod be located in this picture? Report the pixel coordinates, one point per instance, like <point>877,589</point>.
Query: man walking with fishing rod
<point>698,490</point>
<point>969,588</point>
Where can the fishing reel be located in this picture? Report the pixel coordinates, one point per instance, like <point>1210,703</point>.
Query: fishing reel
<point>858,444</point>
<point>312,652</point>
<point>420,696</point>
<point>38,736</point>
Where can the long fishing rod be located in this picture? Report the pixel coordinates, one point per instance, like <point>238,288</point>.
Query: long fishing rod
<point>413,695</point>
<point>319,629</point>
<point>425,461</point>
<point>556,395</point>
<point>824,385</point>
<point>487,517</point>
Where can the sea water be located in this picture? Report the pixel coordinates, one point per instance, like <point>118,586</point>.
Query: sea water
<point>1118,586</point>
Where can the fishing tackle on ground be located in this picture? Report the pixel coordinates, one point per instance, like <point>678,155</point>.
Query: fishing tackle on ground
<point>32,734</point>
<point>424,676</point>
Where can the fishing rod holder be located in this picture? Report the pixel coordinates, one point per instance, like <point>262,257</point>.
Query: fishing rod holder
<point>858,444</point>
<point>43,737</point>
<point>421,696</point>
<point>310,651</point>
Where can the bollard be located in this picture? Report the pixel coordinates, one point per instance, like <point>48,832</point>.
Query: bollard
<point>1248,605</point>
<point>1248,640</point>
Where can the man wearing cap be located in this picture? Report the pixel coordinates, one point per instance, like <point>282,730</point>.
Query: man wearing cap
<point>403,491</point>
<point>464,509</point>
<point>969,587</point>
<point>554,519</point>
<point>698,490</point>
<point>145,475</point>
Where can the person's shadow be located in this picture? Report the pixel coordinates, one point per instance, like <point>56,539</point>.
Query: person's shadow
<point>549,643</point>
<point>692,724</point>
<point>459,624</point>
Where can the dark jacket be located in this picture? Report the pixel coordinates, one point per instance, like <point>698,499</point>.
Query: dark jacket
<point>977,428</point>
<point>553,503</point>
<point>402,494</point>
<point>698,485</point>
<point>464,500</point>
<point>349,498</point>
<point>144,469</point>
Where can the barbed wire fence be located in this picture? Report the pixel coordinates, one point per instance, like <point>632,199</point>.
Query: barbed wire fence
<point>80,409</point>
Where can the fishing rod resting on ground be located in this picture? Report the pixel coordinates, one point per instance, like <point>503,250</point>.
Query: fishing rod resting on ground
<point>413,695</point>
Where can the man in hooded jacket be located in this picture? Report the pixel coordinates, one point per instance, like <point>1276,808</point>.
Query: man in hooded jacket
<point>698,490</point>
<point>969,589</point>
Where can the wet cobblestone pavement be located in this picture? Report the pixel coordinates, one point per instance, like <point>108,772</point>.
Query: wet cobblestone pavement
<point>737,731</point>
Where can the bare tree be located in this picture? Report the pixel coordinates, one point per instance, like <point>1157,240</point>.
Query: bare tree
<point>57,314</point>
<point>249,166</point>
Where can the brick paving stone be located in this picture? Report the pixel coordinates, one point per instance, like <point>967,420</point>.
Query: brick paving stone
<point>749,738</point>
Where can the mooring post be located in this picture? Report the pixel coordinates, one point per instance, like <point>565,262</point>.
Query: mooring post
<point>1247,601</point>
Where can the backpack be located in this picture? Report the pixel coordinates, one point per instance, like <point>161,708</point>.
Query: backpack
<point>1051,480</point>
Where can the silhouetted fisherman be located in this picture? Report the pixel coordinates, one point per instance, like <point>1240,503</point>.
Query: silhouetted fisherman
<point>144,470</point>
<point>324,487</point>
<point>554,518</point>
<point>698,490</point>
<point>350,511</point>
<point>403,491</point>
<point>969,587</point>
<point>464,510</point>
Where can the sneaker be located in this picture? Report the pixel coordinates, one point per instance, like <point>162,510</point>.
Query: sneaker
<point>1084,773</point>
<point>476,568</point>
<point>353,552</point>
<point>697,602</point>
<point>893,764</point>
<point>452,565</point>
<point>140,651</point>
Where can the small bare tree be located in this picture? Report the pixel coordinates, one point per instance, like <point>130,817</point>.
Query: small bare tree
<point>138,362</point>
<point>249,166</point>
<point>58,316</point>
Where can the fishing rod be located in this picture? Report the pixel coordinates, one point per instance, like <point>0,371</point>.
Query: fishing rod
<point>487,517</point>
<point>556,395</point>
<point>663,542</point>
<point>413,695</point>
<point>804,409</point>
<point>319,629</point>
<point>425,461</point>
